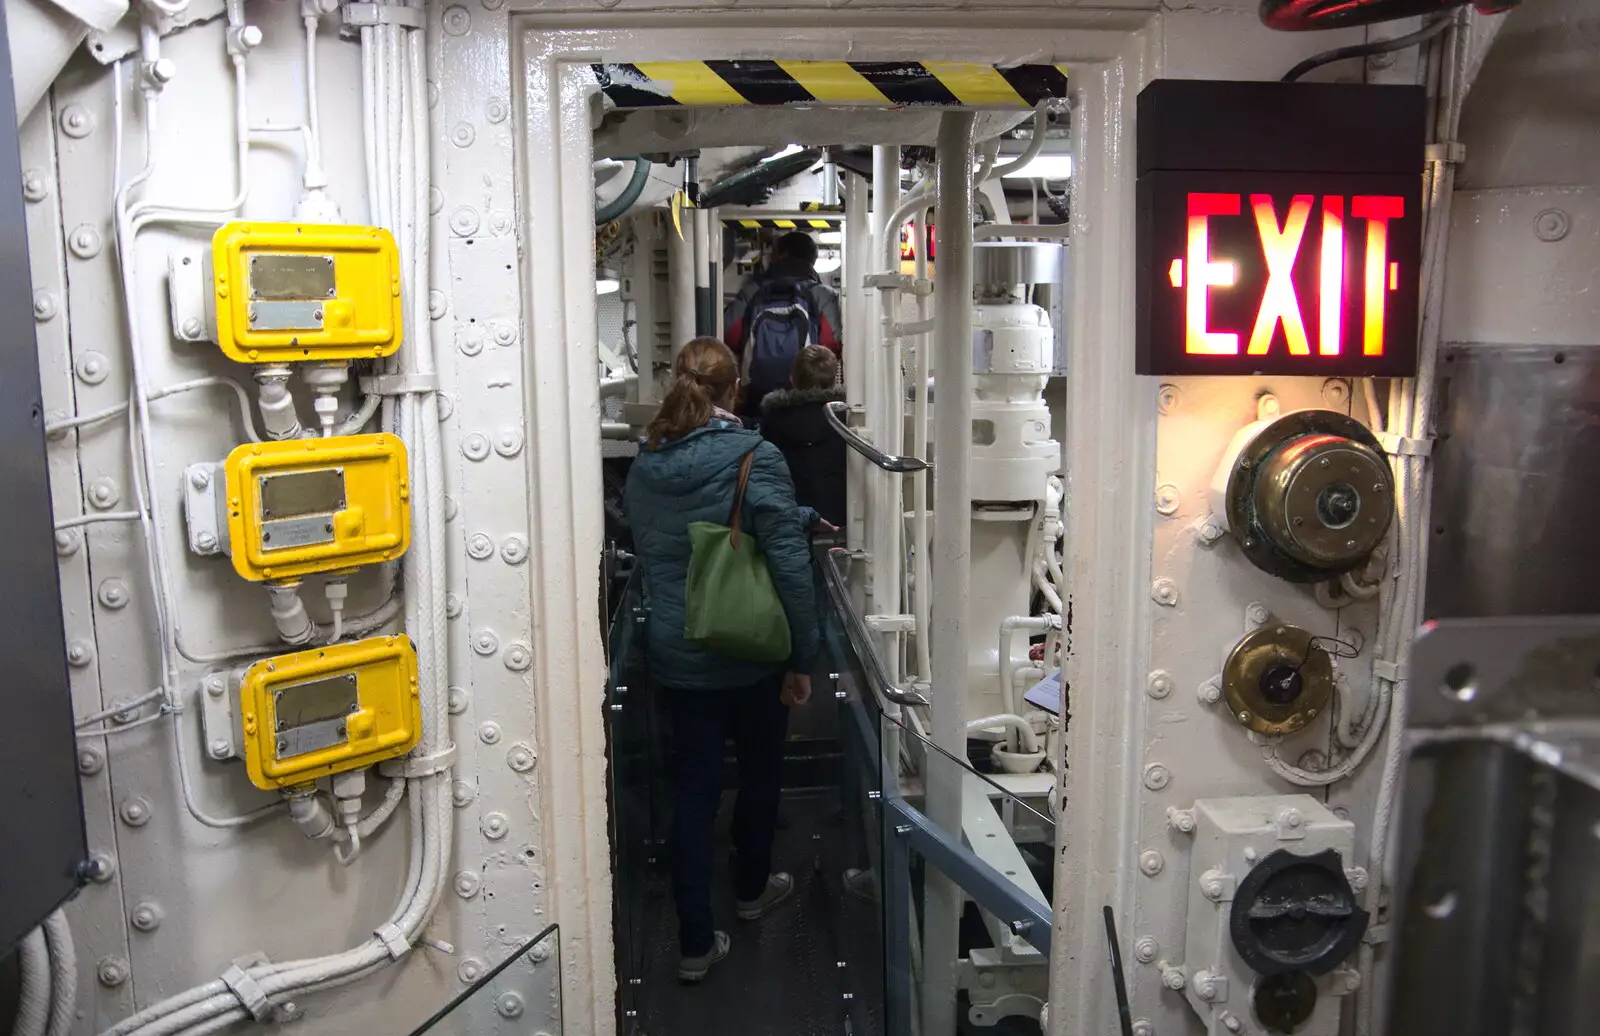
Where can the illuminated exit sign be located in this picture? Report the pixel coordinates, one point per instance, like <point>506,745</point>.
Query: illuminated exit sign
<point>1279,228</point>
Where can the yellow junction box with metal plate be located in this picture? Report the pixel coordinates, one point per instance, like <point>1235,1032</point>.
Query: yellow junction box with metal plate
<point>287,292</point>
<point>329,709</point>
<point>317,505</point>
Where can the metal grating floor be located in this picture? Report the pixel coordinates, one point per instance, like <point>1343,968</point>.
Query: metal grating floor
<point>812,968</point>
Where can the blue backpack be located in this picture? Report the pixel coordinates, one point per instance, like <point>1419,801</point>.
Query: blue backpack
<point>782,321</point>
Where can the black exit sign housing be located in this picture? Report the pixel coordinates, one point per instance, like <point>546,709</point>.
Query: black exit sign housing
<point>1279,228</point>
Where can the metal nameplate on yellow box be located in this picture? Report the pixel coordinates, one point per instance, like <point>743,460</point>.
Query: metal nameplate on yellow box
<point>317,505</point>
<point>286,292</point>
<point>325,710</point>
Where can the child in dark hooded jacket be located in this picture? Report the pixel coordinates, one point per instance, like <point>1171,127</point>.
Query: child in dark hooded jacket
<point>795,421</point>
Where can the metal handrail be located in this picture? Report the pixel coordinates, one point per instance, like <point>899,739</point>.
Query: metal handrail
<point>856,631</point>
<point>901,465</point>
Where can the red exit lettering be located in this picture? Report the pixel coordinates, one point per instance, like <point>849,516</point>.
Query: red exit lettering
<point>1281,238</point>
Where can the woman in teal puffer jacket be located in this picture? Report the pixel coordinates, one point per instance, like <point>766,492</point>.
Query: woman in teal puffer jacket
<point>688,472</point>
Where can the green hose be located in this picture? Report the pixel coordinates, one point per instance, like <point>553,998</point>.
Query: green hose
<point>615,208</point>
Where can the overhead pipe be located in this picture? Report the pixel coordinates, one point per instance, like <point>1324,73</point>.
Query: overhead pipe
<point>952,550</point>
<point>617,207</point>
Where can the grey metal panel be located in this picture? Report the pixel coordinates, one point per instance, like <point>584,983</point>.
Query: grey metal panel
<point>41,825</point>
<point>1516,483</point>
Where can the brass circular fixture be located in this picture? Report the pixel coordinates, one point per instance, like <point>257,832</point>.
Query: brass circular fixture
<point>1310,496</point>
<point>1277,679</point>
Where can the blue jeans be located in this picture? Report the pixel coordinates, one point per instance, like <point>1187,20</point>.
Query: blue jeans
<point>756,719</point>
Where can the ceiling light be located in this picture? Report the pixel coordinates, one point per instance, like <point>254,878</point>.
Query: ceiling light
<point>827,262</point>
<point>1047,167</point>
<point>606,285</point>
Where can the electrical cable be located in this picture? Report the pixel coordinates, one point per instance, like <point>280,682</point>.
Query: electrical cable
<point>117,409</point>
<point>1362,50</point>
<point>119,708</point>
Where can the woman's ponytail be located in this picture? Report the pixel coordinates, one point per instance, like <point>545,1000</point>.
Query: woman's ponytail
<point>707,377</point>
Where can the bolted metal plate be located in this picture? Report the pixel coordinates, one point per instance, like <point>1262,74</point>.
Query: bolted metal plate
<point>291,277</point>
<point>297,532</point>
<point>286,316</point>
<point>298,493</point>
<point>312,715</point>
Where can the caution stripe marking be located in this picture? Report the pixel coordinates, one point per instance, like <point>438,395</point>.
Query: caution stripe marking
<point>808,223</point>
<point>652,84</point>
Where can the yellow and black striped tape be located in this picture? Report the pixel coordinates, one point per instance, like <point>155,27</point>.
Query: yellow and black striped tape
<point>949,84</point>
<point>787,223</point>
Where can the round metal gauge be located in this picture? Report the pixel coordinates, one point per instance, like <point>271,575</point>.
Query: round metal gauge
<point>1310,496</point>
<point>1277,679</point>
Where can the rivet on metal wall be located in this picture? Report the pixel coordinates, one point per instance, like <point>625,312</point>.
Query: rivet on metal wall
<point>90,760</point>
<point>467,884</point>
<point>84,241</point>
<point>464,221</point>
<point>1167,398</point>
<point>433,94</point>
<point>494,826</point>
<point>505,332</point>
<point>493,5</point>
<point>489,732</point>
<point>514,550</point>
<point>135,811</point>
<point>495,110</point>
<point>459,699</point>
<point>462,134</point>
<point>104,492</point>
<point>80,653</point>
<point>111,971</point>
<point>435,203</point>
<point>215,684</point>
<point>445,404</point>
<point>113,593</point>
<point>192,329</point>
<point>1256,615</point>
<point>77,121</point>
<point>520,757</point>
<point>462,794</point>
<point>509,1005</point>
<point>1552,225</point>
<point>471,343</point>
<point>1172,977</point>
<point>457,20</point>
<point>1156,776</point>
<point>1210,692</point>
<point>1142,1027</point>
<point>508,441</point>
<point>146,915</point>
<point>500,224</point>
<point>1167,499</point>
<point>469,970</point>
<point>518,656</point>
<point>102,867</point>
<point>219,749</point>
<point>479,545</point>
<point>438,304</point>
<point>452,605</point>
<point>1146,949</point>
<point>1164,592</point>
<point>67,542</point>
<point>540,953</point>
<point>45,305</point>
<point>1208,531</point>
<point>485,642</point>
<point>475,445</point>
<point>1180,819</point>
<point>451,508</point>
<point>92,368</point>
<point>1336,391</point>
<point>1158,684</point>
<point>1151,863</point>
<point>35,185</point>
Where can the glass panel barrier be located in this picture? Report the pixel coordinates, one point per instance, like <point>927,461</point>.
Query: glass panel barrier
<point>526,984</point>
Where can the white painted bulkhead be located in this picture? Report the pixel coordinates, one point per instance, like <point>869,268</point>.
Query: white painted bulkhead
<point>512,309</point>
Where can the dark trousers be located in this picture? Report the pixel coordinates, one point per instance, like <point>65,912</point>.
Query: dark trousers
<point>756,719</point>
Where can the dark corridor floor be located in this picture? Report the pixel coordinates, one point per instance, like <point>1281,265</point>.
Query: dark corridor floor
<point>783,976</point>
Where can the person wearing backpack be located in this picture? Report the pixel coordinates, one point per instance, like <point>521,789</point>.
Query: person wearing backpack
<point>696,459</point>
<point>776,314</point>
<point>795,420</point>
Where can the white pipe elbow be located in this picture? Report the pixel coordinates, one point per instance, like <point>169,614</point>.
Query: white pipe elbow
<point>278,415</point>
<point>310,816</point>
<point>1024,730</point>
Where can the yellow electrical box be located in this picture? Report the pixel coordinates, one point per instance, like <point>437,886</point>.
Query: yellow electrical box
<point>316,505</point>
<point>285,292</point>
<point>313,713</point>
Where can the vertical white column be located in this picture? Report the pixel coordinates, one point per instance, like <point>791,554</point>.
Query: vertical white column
<point>889,417</point>
<point>857,312</point>
<point>680,283</point>
<point>952,546</point>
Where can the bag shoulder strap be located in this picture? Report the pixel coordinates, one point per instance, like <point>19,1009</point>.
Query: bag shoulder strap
<point>745,464</point>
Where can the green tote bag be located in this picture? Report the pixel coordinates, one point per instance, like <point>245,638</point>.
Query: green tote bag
<point>730,604</point>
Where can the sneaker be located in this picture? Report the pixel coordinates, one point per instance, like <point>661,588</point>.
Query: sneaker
<point>779,887</point>
<point>695,969</point>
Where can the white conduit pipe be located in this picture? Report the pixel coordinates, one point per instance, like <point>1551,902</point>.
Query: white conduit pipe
<point>1008,630</point>
<point>952,549</point>
<point>118,409</point>
<point>922,571</point>
<point>858,246</point>
<point>63,974</point>
<point>1041,123</point>
<point>397,89</point>
<point>1021,730</point>
<point>888,549</point>
<point>33,1001</point>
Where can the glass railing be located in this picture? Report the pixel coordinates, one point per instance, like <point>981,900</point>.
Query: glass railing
<point>960,860</point>
<point>527,983</point>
